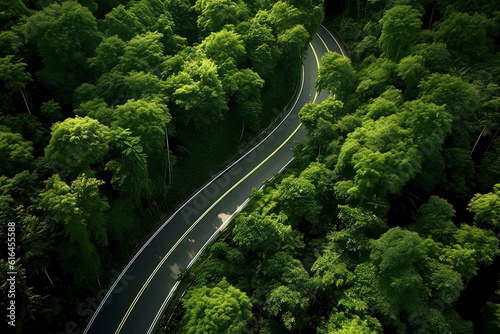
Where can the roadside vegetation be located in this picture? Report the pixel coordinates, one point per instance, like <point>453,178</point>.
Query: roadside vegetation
<point>388,219</point>
<point>111,113</point>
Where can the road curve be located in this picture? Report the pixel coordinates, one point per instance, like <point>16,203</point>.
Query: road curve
<point>136,300</point>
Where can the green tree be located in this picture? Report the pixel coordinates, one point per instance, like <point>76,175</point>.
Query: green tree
<point>13,75</point>
<point>122,23</point>
<point>436,56</point>
<point>487,7</point>
<point>376,78</point>
<point>221,309</point>
<point>320,176</point>
<point>430,125</point>
<point>11,11</point>
<point>149,121</point>
<point>215,14</point>
<point>330,275</point>
<point>65,35</point>
<point>472,249</point>
<point>483,242</point>
<point>197,95</point>
<point>461,100</point>
<point>153,16</point>
<point>282,269</point>
<point>16,153</point>
<point>336,75</point>
<point>312,13</point>
<point>380,157</point>
<point>96,109</point>
<point>427,121</point>
<point>117,88</point>
<point>385,105</point>
<point>433,220</point>
<point>143,53</point>
<point>340,323</point>
<point>77,143</point>
<point>107,54</point>
<point>465,35</point>
<point>224,46</point>
<point>368,46</point>
<point>287,289</point>
<point>454,92</point>
<point>262,48</point>
<point>289,305</point>
<point>244,86</point>
<point>10,42</point>
<point>407,278</point>
<point>282,16</point>
<point>130,168</point>
<point>486,208</point>
<point>293,44</point>
<point>79,209</point>
<point>265,235</point>
<point>323,123</point>
<point>400,28</point>
<point>298,198</point>
<point>412,70</point>
<point>184,18</point>
<point>356,227</point>
<point>51,111</point>
<point>312,115</point>
<point>37,240</point>
<point>21,187</point>
<point>461,260</point>
<point>7,204</point>
<point>84,93</point>
<point>29,126</point>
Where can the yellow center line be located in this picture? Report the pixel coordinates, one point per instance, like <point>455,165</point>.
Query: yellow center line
<point>315,55</point>
<point>317,62</point>
<point>322,41</point>
<point>203,216</point>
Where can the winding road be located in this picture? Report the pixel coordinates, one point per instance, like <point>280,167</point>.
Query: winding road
<point>135,302</point>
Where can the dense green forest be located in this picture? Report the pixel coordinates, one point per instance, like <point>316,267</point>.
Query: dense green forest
<point>111,113</point>
<point>388,218</point>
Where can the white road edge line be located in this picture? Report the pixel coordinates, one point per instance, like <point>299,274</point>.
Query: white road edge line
<point>322,41</point>
<point>209,241</point>
<point>329,33</point>
<point>187,202</point>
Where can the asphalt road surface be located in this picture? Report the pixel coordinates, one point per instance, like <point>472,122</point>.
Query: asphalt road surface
<point>135,302</point>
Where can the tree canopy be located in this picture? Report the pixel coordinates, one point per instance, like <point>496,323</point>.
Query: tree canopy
<point>222,308</point>
<point>76,143</point>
